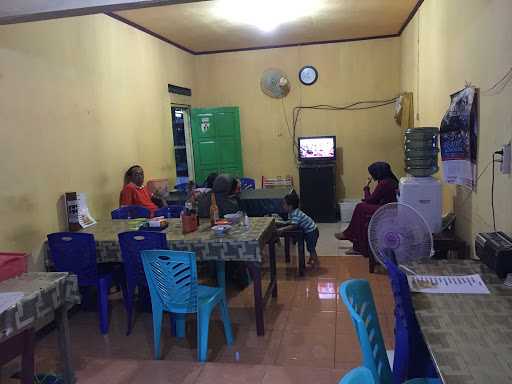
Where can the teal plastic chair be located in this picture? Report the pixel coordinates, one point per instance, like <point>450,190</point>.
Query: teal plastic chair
<point>172,281</point>
<point>358,298</point>
<point>359,375</point>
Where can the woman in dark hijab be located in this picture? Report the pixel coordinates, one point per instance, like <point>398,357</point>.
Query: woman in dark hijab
<point>384,193</point>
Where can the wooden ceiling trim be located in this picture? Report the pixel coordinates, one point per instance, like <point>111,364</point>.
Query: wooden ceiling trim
<point>160,37</point>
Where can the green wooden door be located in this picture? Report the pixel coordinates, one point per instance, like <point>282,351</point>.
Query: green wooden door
<point>216,141</point>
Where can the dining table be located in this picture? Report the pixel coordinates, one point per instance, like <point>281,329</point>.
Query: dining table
<point>468,335</point>
<point>254,202</point>
<point>45,297</point>
<point>245,243</point>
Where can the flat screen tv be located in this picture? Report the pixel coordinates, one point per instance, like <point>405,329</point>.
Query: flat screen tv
<point>318,148</point>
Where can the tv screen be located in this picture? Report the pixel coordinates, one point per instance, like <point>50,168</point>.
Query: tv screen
<point>317,148</point>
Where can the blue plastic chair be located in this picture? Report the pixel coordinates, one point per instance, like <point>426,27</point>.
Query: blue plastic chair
<point>358,298</point>
<point>172,280</point>
<point>246,184</point>
<point>131,244</point>
<point>171,211</point>
<point>359,375</point>
<point>76,253</point>
<point>130,212</point>
<point>181,187</point>
<point>412,358</point>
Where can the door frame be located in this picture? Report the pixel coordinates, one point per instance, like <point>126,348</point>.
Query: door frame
<point>188,136</point>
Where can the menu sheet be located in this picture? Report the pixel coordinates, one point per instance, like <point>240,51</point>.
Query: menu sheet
<point>469,284</point>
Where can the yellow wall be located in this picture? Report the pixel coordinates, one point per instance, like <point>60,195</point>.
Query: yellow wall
<point>348,72</point>
<point>82,99</point>
<point>459,41</point>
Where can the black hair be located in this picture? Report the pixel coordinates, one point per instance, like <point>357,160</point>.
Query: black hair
<point>210,179</point>
<point>292,199</point>
<point>381,170</point>
<point>129,172</point>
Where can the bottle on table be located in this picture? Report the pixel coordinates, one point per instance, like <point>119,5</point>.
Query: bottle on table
<point>214,210</point>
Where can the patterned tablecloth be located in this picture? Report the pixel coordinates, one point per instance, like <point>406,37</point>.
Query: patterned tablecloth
<point>44,293</point>
<point>469,336</point>
<point>242,244</point>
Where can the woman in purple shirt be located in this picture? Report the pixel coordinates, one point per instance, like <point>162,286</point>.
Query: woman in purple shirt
<point>384,193</point>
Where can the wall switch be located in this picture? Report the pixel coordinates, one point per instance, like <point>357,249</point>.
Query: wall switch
<point>506,162</point>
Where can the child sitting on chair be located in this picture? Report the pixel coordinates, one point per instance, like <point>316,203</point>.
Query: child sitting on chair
<point>299,220</point>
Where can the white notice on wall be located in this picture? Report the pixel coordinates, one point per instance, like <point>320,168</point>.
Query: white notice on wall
<point>470,284</point>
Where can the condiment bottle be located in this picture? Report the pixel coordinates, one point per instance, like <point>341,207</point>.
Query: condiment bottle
<point>214,210</point>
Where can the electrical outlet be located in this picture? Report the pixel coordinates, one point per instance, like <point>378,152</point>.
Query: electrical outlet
<point>506,162</point>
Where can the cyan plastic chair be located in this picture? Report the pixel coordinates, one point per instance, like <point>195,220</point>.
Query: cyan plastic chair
<point>246,183</point>
<point>181,187</point>
<point>171,211</point>
<point>357,297</point>
<point>131,244</point>
<point>412,358</point>
<point>172,280</point>
<point>76,253</point>
<point>130,212</point>
<point>359,375</point>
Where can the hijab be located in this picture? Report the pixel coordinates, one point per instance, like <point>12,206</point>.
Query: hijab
<point>381,170</point>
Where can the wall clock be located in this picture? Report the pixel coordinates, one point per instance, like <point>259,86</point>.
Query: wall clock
<point>308,75</point>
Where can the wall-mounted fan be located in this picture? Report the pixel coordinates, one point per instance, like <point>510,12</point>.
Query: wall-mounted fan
<point>274,83</point>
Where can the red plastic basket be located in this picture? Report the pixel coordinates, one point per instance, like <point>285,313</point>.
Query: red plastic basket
<point>12,264</point>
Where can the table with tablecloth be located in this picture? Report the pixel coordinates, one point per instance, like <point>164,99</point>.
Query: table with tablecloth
<point>469,336</point>
<point>47,296</point>
<point>239,244</point>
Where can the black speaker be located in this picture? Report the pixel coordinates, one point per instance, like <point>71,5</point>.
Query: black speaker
<point>318,191</point>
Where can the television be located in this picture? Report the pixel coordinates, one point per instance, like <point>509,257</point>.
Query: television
<point>318,148</point>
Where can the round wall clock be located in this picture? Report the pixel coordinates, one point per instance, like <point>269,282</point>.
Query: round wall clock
<point>308,75</point>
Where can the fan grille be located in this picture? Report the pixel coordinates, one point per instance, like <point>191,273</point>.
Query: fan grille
<point>401,228</point>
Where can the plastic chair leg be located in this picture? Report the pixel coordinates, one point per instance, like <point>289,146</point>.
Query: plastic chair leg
<point>221,273</point>
<point>157,329</point>
<point>103,288</point>
<point>203,323</point>
<point>180,319</point>
<point>224,314</point>
<point>128,305</point>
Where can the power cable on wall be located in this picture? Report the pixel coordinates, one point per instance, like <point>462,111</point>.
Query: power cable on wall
<point>356,106</point>
<point>500,85</point>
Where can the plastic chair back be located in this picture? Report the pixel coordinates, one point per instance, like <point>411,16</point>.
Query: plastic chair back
<point>131,244</point>
<point>246,184</point>
<point>358,298</point>
<point>130,212</point>
<point>359,375</point>
<point>182,187</point>
<point>75,253</point>
<point>172,279</point>
<point>171,211</point>
<point>412,358</point>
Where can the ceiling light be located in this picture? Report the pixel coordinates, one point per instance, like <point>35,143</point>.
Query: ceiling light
<point>266,15</point>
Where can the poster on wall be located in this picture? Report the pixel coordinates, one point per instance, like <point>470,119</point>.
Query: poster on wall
<point>77,211</point>
<point>458,139</point>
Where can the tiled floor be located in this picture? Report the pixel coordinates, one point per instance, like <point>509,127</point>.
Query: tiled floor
<point>309,337</point>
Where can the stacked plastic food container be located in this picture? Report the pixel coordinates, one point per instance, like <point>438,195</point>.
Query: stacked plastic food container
<point>421,151</point>
<point>419,189</point>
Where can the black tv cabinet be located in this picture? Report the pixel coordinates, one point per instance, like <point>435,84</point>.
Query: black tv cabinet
<point>318,191</point>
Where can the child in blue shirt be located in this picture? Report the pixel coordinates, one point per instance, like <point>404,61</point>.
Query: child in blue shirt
<point>299,220</point>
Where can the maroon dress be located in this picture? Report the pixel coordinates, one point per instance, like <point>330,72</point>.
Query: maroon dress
<point>357,231</point>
